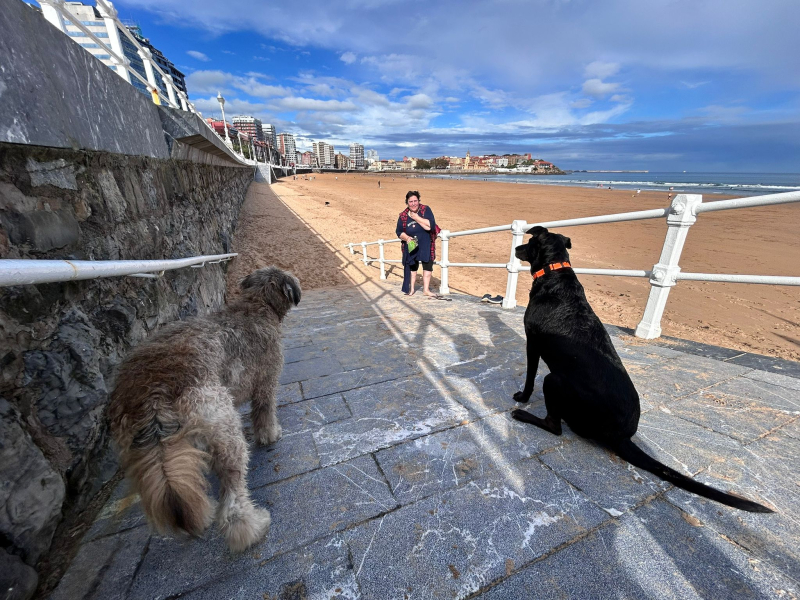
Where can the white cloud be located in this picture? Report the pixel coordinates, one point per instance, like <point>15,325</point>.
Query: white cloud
<point>348,58</point>
<point>293,103</point>
<point>198,55</point>
<point>599,89</point>
<point>600,70</point>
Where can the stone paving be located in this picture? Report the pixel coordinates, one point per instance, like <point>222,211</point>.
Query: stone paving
<point>401,474</point>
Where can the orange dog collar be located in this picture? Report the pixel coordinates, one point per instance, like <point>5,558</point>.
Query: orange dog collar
<point>551,267</point>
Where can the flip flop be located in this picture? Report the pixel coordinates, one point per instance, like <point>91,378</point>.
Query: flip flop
<point>495,300</point>
<point>486,297</point>
<point>438,297</point>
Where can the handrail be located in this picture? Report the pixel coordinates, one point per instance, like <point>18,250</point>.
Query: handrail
<point>33,271</point>
<point>680,214</point>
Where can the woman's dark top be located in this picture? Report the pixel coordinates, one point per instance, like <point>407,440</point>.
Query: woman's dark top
<point>425,251</point>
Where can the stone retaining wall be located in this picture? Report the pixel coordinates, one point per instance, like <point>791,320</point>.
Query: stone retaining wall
<point>60,342</point>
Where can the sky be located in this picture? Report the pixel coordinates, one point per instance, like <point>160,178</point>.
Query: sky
<point>662,85</point>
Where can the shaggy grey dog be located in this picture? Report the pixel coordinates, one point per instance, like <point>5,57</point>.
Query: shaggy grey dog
<point>172,413</point>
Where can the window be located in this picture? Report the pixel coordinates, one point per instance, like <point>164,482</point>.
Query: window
<point>103,56</point>
<point>87,45</point>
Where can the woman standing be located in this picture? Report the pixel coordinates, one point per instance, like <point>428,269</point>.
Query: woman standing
<point>416,224</point>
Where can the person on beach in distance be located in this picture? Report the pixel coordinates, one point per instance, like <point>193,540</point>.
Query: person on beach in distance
<point>417,221</point>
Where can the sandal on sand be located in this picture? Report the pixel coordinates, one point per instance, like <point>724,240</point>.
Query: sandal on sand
<point>486,297</point>
<point>495,300</point>
<point>438,297</point>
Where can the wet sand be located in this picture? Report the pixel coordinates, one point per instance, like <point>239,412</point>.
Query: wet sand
<point>756,241</point>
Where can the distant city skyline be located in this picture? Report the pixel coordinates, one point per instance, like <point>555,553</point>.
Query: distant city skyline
<point>618,84</point>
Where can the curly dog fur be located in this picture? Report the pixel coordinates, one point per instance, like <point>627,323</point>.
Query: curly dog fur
<point>172,413</point>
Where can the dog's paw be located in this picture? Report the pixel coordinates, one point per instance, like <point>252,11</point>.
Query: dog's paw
<point>269,435</point>
<point>243,531</point>
<point>521,397</point>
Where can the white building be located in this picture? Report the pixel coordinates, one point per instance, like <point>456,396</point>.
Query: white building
<point>372,156</point>
<point>287,148</point>
<point>324,154</point>
<point>356,156</point>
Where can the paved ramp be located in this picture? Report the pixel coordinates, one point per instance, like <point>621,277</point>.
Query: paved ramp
<point>402,475</point>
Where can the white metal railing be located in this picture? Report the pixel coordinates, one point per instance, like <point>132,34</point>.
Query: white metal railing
<point>56,13</point>
<point>681,215</point>
<point>31,271</point>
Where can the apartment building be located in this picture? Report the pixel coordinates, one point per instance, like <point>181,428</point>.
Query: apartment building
<point>287,147</point>
<point>269,135</point>
<point>324,154</point>
<point>249,125</point>
<point>356,156</point>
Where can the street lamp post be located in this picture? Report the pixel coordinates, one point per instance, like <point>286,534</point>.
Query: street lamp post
<point>221,101</point>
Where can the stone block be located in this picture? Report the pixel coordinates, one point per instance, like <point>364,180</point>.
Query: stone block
<point>683,375</point>
<point>450,458</point>
<point>122,511</point>
<point>613,484</point>
<point>387,414</point>
<point>657,552</point>
<point>765,472</point>
<point>305,508</point>
<point>103,569</point>
<point>57,173</point>
<point>31,493</point>
<point>18,581</point>
<point>358,378</point>
<point>310,369</point>
<point>452,544</point>
<point>740,408</point>
<point>682,445</point>
<point>320,570</point>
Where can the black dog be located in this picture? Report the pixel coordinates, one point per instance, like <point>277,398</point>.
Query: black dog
<point>588,386</point>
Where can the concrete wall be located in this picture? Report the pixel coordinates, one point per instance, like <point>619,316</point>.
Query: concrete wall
<point>60,342</point>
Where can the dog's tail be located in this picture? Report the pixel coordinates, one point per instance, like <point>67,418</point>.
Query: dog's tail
<point>169,474</point>
<point>636,456</point>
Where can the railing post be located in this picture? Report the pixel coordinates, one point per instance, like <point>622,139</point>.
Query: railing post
<point>109,14</point>
<point>184,104</point>
<point>170,85</point>
<point>364,252</point>
<point>664,276</point>
<point>352,252</point>
<point>444,286</point>
<point>383,264</point>
<point>517,231</point>
<point>147,59</point>
<point>53,15</point>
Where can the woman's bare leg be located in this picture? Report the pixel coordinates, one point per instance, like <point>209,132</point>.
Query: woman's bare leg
<point>426,283</point>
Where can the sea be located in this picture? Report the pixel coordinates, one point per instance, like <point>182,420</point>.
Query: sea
<point>732,184</point>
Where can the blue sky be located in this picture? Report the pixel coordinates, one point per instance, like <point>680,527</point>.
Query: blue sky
<point>701,85</point>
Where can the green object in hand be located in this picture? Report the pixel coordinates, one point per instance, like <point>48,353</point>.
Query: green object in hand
<point>412,244</point>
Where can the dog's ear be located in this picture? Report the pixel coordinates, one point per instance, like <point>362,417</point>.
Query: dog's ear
<point>566,240</point>
<point>292,290</point>
<point>250,281</point>
<point>534,231</point>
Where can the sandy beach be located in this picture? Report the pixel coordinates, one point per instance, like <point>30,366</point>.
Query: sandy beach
<point>757,241</point>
